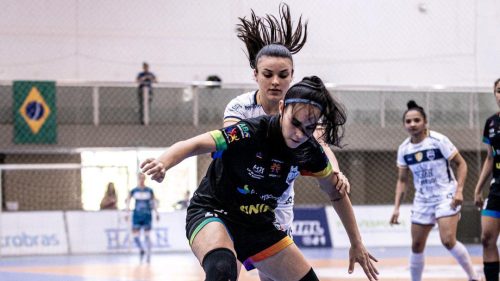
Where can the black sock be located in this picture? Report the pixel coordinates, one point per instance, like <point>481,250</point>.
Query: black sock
<point>491,270</point>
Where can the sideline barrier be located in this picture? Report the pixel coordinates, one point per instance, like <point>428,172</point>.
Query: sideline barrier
<point>373,223</point>
<point>39,233</point>
<point>80,232</point>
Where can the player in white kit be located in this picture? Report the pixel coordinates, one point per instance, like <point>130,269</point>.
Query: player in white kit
<point>438,194</point>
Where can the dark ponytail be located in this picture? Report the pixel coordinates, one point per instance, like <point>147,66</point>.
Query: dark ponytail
<point>268,36</point>
<point>311,90</point>
<point>412,105</point>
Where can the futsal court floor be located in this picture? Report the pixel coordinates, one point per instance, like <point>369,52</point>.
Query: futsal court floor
<point>182,266</point>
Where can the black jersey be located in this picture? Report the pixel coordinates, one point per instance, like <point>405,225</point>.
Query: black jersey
<point>252,168</point>
<point>491,136</point>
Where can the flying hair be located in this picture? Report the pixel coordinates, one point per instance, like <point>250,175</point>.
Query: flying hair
<point>270,36</point>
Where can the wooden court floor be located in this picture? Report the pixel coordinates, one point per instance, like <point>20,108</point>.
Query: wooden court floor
<point>328,264</point>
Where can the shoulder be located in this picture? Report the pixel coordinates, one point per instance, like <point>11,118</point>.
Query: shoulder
<point>435,136</point>
<point>492,119</point>
<point>243,100</point>
<point>404,144</point>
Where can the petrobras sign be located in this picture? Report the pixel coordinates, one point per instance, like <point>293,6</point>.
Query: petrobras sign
<point>29,233</point>
<point>310,228</point>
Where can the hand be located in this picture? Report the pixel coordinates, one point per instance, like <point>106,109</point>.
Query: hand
<point>127,217</point>
<point>457,200</point>
<point>154,168</point>
<point>157,217</point>
<point>360,255</point>
<point>478,200</point>
<point>343,185</point>
<point>394,217</point>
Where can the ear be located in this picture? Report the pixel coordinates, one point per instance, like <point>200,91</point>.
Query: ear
<point>281,106</point>
<point>255,74</point>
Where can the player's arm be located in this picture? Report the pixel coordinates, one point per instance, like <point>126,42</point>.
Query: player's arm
<point>343,182</point>
<point>343,207</point>
<point>486,171</point>
<point>401,184</point>
<point>156,168</point>
<point>461,175</point>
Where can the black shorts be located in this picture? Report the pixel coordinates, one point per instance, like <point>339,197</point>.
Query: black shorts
<point>492,208</point>
<point>253,243</point>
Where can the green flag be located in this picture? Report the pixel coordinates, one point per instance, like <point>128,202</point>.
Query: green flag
<point>35,114</point>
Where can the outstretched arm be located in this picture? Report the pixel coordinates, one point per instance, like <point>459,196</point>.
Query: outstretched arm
<point>156,168</point>
<point>342,205</point>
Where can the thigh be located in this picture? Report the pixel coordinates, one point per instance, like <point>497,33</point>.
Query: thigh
<point>490,227</point>
<point>289,265</point>
<point>419,234</point>
<point>448,227</point>
<point>213,235</point>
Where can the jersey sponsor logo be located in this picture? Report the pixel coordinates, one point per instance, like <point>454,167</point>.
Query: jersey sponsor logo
<point>255,209</point>
<point>275,170</point>
<point>257,172</point>
<point>237,132</point>
<point>424,173</point>
<point>294,172</point>
<point>269,196</point>
<point>232,134</point>
<point>245,190</point>
<point>236,107</point>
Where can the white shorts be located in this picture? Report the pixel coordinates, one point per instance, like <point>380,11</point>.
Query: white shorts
<point>428,213</point>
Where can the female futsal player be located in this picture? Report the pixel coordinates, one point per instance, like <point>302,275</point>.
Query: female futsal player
<point>490,219</point>
<point>231,213</point>
<point>438,195</point>
<point>270,47</point>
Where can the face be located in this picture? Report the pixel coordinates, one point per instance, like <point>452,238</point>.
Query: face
<point>497,93</point>
<point>274,75</point>
<point>298,123</point>
<point>414,123</point>
<point>141,178</point>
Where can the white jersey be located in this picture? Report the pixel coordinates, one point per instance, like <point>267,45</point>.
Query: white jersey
<point>243,107</point>
<point>429,162</point>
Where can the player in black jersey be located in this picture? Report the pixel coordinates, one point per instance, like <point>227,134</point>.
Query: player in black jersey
<point>231,213</point>
<point>490,219</point>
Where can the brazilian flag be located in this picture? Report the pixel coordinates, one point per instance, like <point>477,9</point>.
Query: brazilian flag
<point>35,115</point>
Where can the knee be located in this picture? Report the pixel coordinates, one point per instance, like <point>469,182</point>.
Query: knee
<point>220,265</point>
<point>310,276</point>
<point>487,240</point>
<point>417,247</point>
<point>448,242</point>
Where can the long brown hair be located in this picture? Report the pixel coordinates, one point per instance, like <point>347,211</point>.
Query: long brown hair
<point>268,36</point>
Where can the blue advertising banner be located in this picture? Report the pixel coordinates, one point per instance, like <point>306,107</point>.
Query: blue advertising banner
<point>310,228</point>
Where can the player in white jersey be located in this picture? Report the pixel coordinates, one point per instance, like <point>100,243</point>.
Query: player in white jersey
<point>438,195</point>
<point>271,59</point>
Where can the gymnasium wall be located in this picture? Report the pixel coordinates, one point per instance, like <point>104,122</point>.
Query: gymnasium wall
<point>415,43</point>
